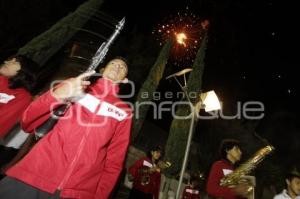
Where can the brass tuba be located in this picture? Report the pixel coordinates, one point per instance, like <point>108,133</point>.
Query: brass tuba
<point>238,175</point>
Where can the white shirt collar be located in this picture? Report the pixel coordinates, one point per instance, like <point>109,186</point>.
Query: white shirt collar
<point>286,195</point>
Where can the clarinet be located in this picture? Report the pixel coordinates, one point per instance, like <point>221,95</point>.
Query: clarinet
<point>97,59</point>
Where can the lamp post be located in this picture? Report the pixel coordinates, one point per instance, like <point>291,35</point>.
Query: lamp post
<point>210,102</point>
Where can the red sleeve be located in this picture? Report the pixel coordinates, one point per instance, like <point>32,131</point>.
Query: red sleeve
<point>116,153</point>
<point>38,112</point>
<point>134,169</point>
<point>184,193</point>
<point>213,187</point>
<point>11,112</point>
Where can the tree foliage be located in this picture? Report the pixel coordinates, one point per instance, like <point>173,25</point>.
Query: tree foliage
<point>149,87</point>
<point>179,128</point>
<point>44,46</point>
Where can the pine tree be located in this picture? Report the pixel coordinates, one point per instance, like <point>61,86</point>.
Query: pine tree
<point>44,46</point>
<point>179,129</point>
<point>149,86</point>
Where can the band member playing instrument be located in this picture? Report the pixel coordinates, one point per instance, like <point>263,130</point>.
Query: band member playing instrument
<point>192,190</point>
<point>231,153</point>
<point>19,82</point>
<point>146,175</point>
<point>83,154</point>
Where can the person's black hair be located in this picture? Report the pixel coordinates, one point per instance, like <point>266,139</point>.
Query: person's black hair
<point>226,145</point>
<point>194,178</point>
<point>293,172</point>
<point>156,148</point>
<point>27,76</point>
<point>93,79</point>
<point>123,59</point>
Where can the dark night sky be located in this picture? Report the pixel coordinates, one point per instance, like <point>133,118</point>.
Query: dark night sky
<point>252,44</point>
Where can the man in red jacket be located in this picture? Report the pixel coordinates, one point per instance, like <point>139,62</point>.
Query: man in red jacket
<point>146,175</point>
<point>83,155</point>
<point>231,154</point>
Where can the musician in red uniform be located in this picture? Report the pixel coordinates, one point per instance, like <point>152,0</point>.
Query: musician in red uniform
<point>191,191</point>
<point>231,153</point>
<point>83,154</point>
<point>146,176</point>
<point>18,82</point>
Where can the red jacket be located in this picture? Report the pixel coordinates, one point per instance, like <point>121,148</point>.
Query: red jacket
<point>154,182</point>
<point>190,193</point>
<point>12,104</point>
<point>83,154</point>
<point>218,170</point>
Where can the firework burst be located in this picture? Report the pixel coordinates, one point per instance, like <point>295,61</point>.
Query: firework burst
<point>186,28</point>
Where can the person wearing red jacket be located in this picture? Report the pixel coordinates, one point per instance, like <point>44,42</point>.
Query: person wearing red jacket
<point>146,176</point>
<point>191,191</point>
<point>231,153</point>
<point>83,154</point>
<point>18,82</point>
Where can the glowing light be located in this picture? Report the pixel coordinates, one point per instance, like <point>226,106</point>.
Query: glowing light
<point>210,101</point>
<point>181,37</point>
<point>187,30</point>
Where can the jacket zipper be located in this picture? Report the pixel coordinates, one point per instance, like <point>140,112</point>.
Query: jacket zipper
<point>80,148</point>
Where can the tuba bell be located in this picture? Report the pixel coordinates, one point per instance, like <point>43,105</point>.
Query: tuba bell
<point>244,169</point>
<point>241,174</point>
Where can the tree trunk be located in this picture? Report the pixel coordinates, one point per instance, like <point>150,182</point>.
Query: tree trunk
<point>177,140</point>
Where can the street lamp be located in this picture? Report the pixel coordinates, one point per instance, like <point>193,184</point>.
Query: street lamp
<point>210,102</point>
